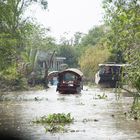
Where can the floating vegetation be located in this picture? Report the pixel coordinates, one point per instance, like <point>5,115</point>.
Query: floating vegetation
<point>55,128</point>
<point>103,96</point>
<point>77,96</point>
<point>14,98</point>
<point>89,120</point>
<point>61,99</point>
<point>55,122</point>
<point>77,130</point>
<point>40,99</point>
<point>80,103</point>
<point>56,118</point>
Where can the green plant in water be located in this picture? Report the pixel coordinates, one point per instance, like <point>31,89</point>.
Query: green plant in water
<point>55,128</point>
<point>61,98</point>
<point>55,122</point>
<point>103,96</point>
<point>80,103</point>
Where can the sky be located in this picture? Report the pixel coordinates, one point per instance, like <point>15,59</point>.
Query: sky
<point>69,16</point>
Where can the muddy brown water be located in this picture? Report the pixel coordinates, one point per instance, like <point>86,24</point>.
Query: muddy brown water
<point>94,118</point>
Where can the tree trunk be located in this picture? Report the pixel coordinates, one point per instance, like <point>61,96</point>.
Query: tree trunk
<point>46,76</point>
<point>47,66</point>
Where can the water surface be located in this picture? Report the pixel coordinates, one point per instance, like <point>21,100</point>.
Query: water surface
<point>94,118</point>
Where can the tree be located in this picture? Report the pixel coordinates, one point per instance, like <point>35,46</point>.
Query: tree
<point>7,51</point>
<point>123,18</point>
<point>93,37</point>
<point>77,38</point>
<point>90,59</point>
<point>37,44</point>
<point>13,30</point>
<point>70,53</point>
<point>13,25</point>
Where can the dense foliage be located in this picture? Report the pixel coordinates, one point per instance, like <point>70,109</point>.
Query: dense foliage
<point>93,50</point>
<point>123,18</point>
<point>94,35</point>
<point>14,31</point>
<point>91,58</point>
<point>70,53</point>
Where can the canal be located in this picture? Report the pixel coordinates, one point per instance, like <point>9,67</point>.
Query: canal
<point>98,115</point>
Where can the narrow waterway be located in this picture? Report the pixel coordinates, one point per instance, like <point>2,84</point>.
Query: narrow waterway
<point>94,118</point>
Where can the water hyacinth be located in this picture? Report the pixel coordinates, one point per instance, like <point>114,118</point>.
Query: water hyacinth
<point>59,118</point>
<point>55,122</point>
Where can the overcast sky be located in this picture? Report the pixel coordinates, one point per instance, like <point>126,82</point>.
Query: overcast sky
<point>69,16</point>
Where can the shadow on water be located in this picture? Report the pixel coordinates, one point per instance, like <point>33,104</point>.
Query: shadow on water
<point>97,115</point>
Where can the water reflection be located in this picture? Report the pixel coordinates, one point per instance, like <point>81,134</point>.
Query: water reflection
<point>94,118</point>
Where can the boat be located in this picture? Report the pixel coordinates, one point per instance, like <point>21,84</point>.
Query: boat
<point>52,77</point>
<point>109,75</point>
<point>70,81</point>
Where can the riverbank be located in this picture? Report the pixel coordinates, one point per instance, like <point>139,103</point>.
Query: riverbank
<point>17,85</point>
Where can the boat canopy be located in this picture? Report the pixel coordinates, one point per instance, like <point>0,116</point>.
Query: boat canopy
<point>53,73</point>
<point>73,70</point>
<point>114,65</point>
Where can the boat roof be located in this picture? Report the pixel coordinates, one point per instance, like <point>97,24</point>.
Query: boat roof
<point>74,70</point>
<point>115,65</point>
<point>53,72</point>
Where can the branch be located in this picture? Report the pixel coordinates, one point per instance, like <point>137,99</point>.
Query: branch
<point>51,59</point>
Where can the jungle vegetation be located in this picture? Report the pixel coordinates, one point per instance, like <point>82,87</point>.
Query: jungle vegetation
<point>117,40</point>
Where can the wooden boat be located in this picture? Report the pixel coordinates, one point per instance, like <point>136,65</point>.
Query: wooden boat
<point>70,81</point>
<point>110,74</point>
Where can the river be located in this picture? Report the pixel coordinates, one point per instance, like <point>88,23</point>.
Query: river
<point>94,118</point>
